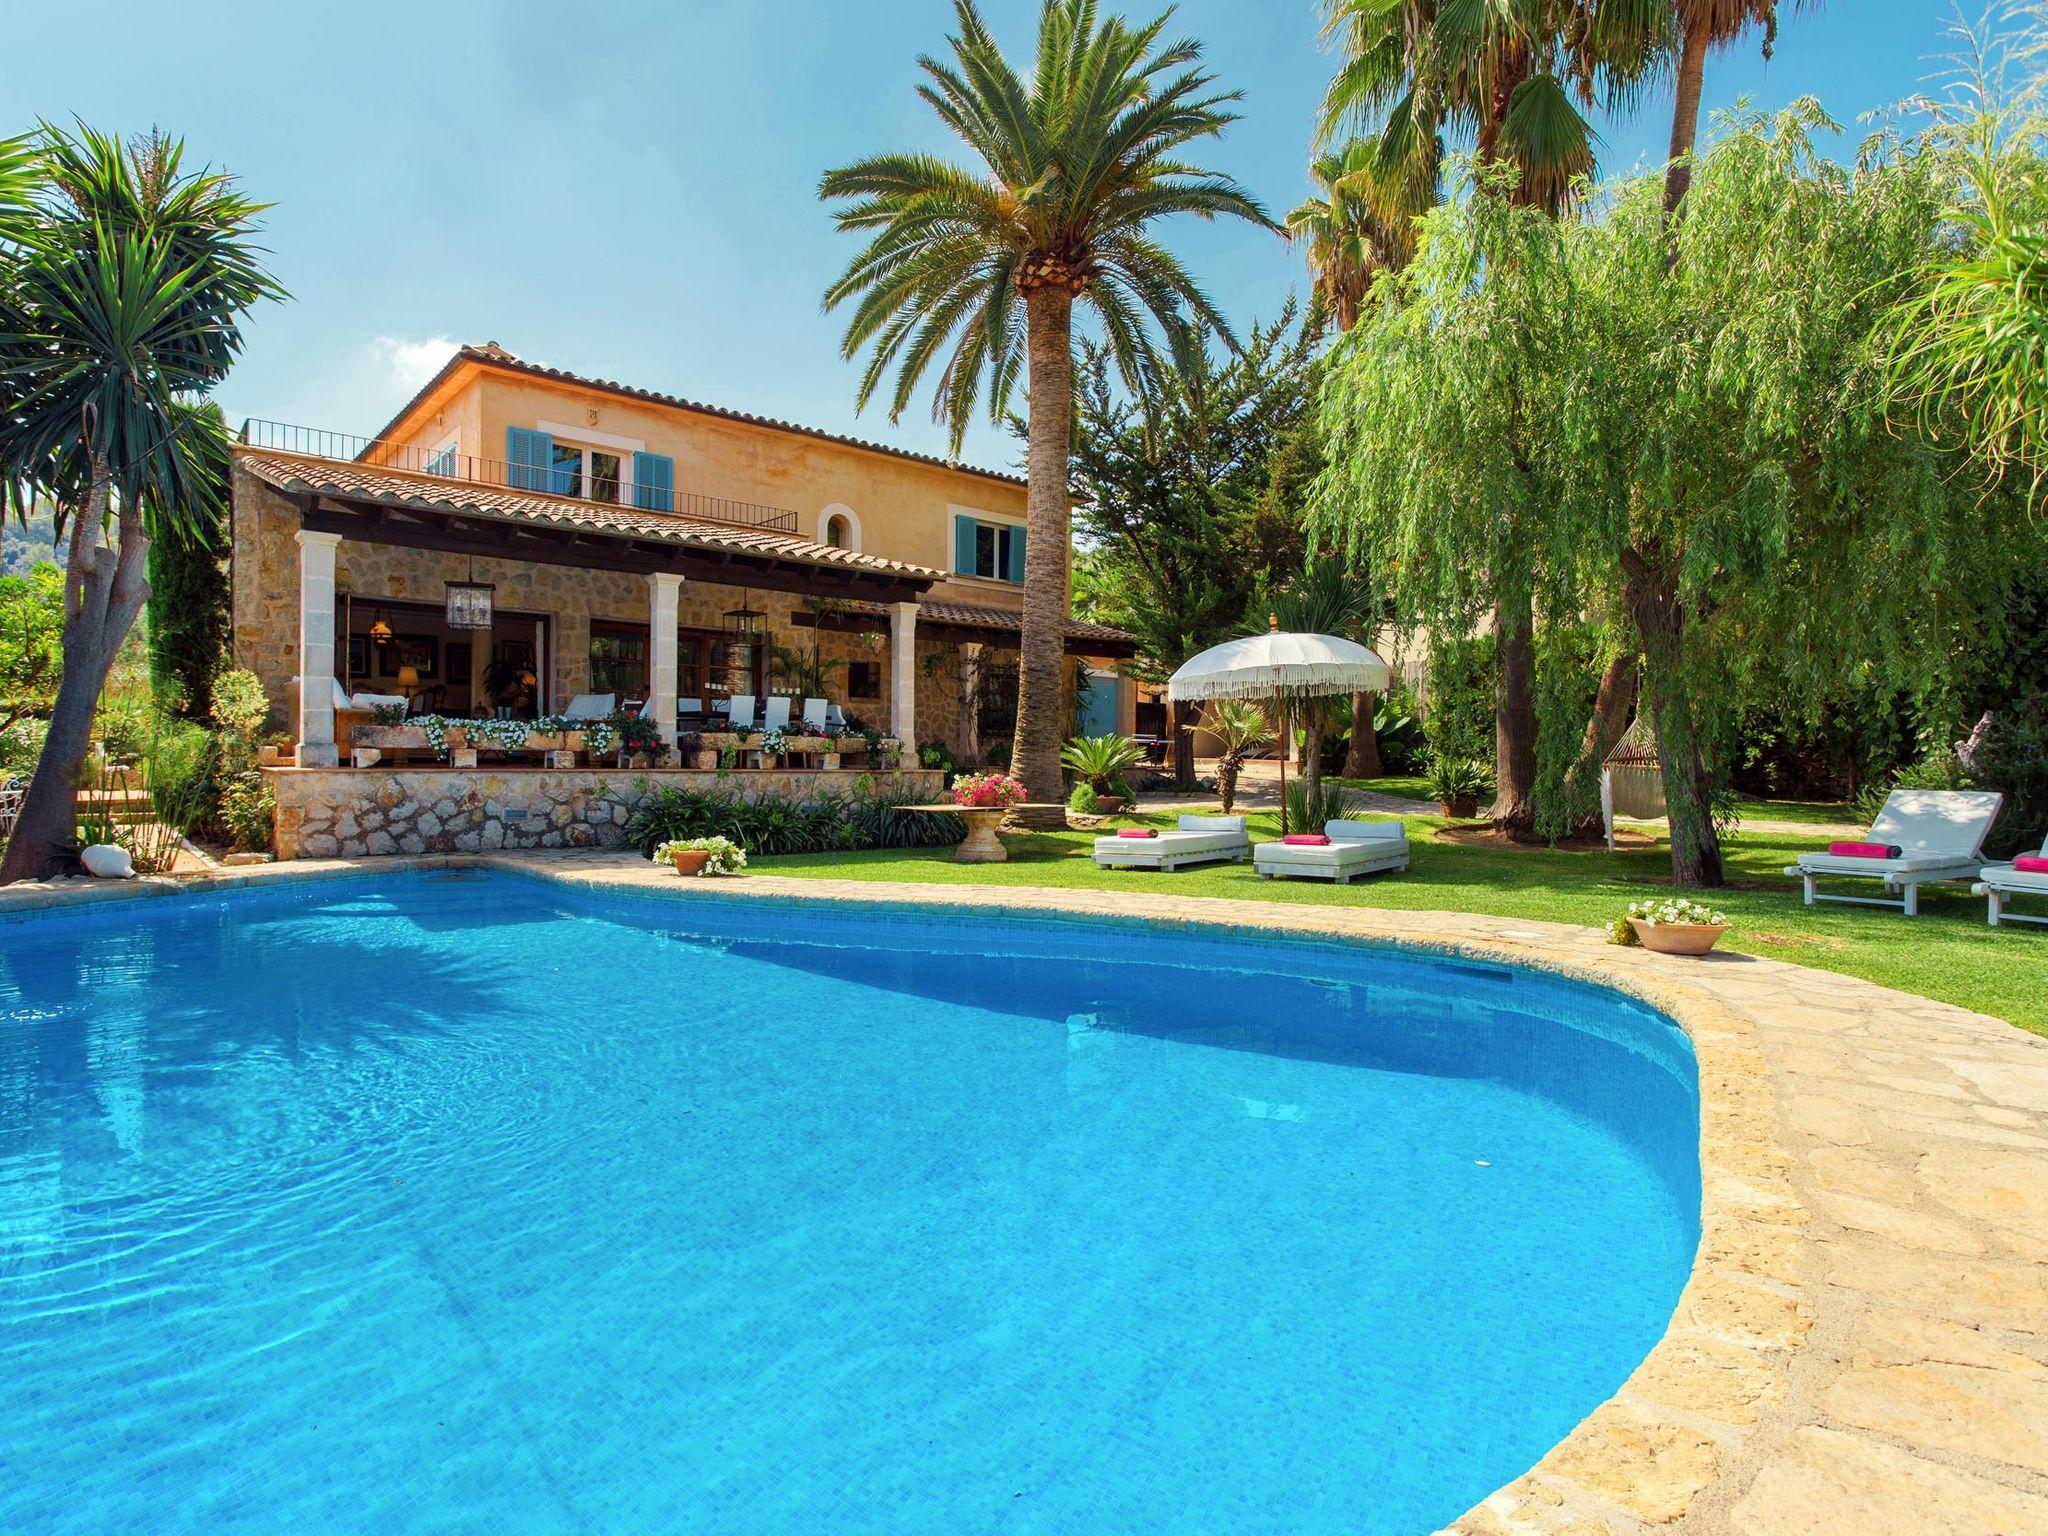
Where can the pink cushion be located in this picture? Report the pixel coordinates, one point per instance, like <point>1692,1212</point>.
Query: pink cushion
<point>1865,850</point>
<point>2031,864</point>
<point>1307,839</point>
<point>1138,832</point>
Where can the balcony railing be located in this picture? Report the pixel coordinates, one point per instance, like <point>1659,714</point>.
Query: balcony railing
<point>576,484</point>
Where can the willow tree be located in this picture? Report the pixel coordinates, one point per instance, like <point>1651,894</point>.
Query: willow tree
<point>1709,436</point>
<point>1514,81</point>
<point>978,269</point>
<point>123,284</point>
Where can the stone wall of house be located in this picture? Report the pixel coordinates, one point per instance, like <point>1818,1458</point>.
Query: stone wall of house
<point>329,812</point>
<point>266,611</point>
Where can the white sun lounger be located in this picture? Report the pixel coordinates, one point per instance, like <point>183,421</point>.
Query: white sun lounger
<point>1199,840</point>
<point>1940,834</point>
<point>1999,883</point>
<point>1355,848</point>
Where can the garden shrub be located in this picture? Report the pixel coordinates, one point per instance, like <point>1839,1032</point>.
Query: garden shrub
<point>247,808</point>
<point>936,754</point>
<point>2014,760</point>
<point>869,816</point>
<point>1083,801</point>
<point>20,745</point>
<point>1458,714</point>
<point>1334,803</point>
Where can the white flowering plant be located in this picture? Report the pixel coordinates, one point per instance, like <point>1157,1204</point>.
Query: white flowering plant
<point>1676,911</point>
<point>726,856</point>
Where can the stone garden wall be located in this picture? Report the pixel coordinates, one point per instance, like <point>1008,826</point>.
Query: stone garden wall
<point>329,812</point>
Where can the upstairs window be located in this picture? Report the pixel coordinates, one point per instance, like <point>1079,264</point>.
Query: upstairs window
<point>993,551</point>
<point>443,463</point>
<point>538,461</point>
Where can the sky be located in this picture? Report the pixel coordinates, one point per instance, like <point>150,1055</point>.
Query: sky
<point>629,189</point>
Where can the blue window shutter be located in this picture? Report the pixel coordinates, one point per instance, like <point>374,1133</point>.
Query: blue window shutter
<point>654,482</point>
<point>963,544</point>
<point>527,455</point>
<point>1013,555</point>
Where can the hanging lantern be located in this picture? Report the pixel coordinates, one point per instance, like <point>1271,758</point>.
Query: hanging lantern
<point>744,622</point>
<point>380,632</point>
<point>469,602</point>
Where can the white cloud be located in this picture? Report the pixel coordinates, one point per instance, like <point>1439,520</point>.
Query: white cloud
<point>409,364</point>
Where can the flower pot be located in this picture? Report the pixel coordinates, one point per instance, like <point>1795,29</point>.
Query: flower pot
<point>707,759</point>
<point>831,762</point>
<point>1677,938</point>
<point>1461,809</point>
<point>691,861</point>
<point>1108,805</point>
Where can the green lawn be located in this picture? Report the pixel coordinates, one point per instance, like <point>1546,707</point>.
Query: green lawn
<point>1409,786</point>
<point>1947,952</point>
<point>1819,811</point>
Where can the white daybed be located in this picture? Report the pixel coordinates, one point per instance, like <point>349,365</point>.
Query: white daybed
<point>1355,848</point>
<point>1199,840</point>
<point>1939,834</point>
<point>1999,883</point>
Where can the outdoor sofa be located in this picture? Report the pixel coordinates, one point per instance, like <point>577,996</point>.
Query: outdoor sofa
<point>1355,848</point>
<point>1197,840</point>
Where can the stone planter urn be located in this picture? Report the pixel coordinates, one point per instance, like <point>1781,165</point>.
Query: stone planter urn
<point>831,761</point>
<point>1677,938</point>
<point>691,861</point>
<point>1108,805</point>
<point>706,759</point>
<point>462,757</point>
<point>1461,809</point>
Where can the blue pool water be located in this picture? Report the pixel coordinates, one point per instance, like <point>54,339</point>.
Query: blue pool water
<point>465,1202</point>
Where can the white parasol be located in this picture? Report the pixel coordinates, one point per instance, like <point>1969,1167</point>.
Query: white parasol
<point>1287,666</point>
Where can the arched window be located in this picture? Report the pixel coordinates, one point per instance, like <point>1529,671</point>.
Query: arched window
<point>839,527</point>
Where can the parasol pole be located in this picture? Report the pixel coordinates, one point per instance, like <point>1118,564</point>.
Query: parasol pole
<point>1280,727</point>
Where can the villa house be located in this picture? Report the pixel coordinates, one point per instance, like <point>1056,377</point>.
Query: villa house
<point>619,541</point>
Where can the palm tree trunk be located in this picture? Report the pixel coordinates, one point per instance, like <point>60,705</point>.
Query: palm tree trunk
<point>1181,736</point>
<point>1685,116</point>
<point>1035,750</point>
<point>1514,713</point>
<point>1362,756</point>
<point>104,590</point>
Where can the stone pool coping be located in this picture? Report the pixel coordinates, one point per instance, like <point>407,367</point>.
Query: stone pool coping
<point>1862,1346</point>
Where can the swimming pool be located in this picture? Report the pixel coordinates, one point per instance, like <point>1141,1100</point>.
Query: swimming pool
<point>469,1201</point>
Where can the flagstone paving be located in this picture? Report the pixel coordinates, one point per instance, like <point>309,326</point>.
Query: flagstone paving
<point>1863,1347</point>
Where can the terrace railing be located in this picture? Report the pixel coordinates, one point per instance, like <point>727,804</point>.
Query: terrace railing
<point>575,484</point>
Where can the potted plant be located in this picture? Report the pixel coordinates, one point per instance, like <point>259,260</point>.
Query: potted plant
<point>1100,762</point>
<point>1670,926</point>
<point>774,746</point>
<point>702,855</point>
<point>1457,784</point>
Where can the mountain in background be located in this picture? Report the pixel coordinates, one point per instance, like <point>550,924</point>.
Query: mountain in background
<point>24,546</point>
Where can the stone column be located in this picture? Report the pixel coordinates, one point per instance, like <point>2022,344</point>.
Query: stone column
<point>316,649</point>
<point>664,596</point>
<point>903,677</point>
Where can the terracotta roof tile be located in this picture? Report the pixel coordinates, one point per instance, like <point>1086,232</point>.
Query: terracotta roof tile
<point>974,616</point>
<point>290,473</point>
<point>492,355</point>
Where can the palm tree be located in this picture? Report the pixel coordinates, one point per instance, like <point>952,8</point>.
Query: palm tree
<point>987,265</point>
<point>121,294</point>
<point>1238,725</point>
<point>1701,25</point>
<point>1362,224</point>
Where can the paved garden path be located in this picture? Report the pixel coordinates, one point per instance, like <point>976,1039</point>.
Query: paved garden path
<point>1862,1349</point>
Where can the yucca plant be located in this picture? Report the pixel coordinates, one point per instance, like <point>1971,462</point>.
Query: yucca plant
<point>1458,784</point>
<point>978,269</point>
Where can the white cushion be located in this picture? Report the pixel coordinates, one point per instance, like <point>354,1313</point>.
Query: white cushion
<point>1914,863</point>
<point>1360,832</point>
<point>775,714</point>
<point>367,701</point>
<point>1212,824</point>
